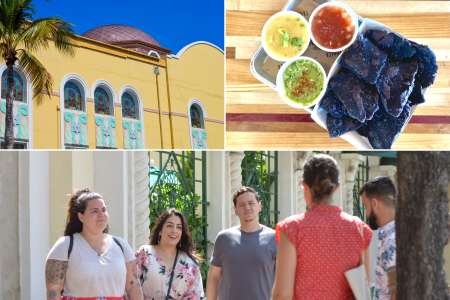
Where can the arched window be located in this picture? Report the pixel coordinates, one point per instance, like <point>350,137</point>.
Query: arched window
<point>197,125</point>
<point>73,96</point>
<point>196,114</point>
<point>103,102</point>
<point>130,106</point>
<point>19,86</point>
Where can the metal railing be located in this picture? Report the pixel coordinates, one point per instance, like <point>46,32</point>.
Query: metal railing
<point>260,171</point>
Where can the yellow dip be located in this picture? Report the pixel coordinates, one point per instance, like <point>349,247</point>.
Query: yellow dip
<point>286,36</point>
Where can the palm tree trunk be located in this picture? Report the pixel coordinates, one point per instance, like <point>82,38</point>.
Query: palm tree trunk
<point>9,126</point>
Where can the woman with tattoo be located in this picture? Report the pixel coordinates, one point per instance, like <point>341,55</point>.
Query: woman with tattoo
<point>87,263</point>
<point>168,267</point>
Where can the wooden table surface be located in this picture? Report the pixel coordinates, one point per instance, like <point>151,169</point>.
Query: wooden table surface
<point>258,119</point>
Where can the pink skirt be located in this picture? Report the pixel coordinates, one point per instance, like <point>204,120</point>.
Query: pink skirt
<point>91,298</point>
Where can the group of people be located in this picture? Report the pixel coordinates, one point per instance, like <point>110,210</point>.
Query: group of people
<point>306,257</point>
<point>87,263</point>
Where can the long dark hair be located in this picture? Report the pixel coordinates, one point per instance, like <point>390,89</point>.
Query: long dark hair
<point>78,204</point>
<point>321,174</point>
<point>185,244</point>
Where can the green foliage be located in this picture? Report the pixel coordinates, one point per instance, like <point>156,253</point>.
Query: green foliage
<point>259,171</point>
<point>362,176</point>
<point>175,187</point>
<point>21,38</point>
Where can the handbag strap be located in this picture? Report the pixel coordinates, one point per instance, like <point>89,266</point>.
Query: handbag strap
<point>171,276</point>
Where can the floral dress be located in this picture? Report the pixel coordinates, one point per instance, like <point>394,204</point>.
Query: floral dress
<point>154,276</point>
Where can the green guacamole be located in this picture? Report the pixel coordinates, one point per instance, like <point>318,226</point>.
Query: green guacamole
<point>303,81</point>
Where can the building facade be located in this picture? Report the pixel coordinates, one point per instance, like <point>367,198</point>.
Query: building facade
<point>122,90</point>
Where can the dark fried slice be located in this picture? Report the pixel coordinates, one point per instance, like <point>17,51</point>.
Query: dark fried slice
<point>332,105</point>
<point>395,84</point>
<point>375,35</point>
<point>427,65</point>
<point>417,96</point>
<point>396,46</point>
<point>338,126</point>
<point>383,128</point>
<point>364,59</point>
<point>355,95</point>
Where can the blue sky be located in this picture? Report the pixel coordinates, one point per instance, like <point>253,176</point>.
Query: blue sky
<point>174,24</point>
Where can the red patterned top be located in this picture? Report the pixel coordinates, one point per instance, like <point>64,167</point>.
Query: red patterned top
<point>328,243</point>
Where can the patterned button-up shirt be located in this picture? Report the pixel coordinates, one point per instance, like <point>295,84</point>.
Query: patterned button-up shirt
<point>386,254</point>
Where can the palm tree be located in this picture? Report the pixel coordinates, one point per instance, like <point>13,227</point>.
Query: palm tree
<point>20,37</point>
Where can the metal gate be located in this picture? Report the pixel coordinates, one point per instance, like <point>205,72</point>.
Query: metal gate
<point>362,176</point>
<point>178,179</point>
<point>260,171</point>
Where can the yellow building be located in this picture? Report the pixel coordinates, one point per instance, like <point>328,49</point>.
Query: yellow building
<point>121,89</point>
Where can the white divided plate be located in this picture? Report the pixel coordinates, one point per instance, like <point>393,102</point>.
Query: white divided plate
<point>320,117</point>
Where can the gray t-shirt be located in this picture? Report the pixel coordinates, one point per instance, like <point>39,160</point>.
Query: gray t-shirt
<point>247,260</point>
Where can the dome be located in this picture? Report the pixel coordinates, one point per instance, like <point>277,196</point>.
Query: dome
<point>114,34</point>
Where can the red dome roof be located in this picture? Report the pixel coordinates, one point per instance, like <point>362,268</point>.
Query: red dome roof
<point>113,34</point>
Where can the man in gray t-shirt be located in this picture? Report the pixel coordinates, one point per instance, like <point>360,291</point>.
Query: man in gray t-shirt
<point>243,261</point>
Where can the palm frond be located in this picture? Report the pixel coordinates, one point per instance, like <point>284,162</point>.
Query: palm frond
<point>41,79</point>
<point>40,32</point>
<point>14,13</point>
<point>3,48</point>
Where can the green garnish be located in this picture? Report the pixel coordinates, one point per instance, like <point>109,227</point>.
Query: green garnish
<point>296,42</point>
<point>284,37</point>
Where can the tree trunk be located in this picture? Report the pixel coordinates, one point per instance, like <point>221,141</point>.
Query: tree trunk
<point>9,119</point>
<point>421,224</point>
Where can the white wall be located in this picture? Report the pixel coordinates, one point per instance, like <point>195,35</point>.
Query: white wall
<point>34,222</point>
<point>286,185</point>
<point>9,230</point>
<point>111,181</point>
<point>216,192</point>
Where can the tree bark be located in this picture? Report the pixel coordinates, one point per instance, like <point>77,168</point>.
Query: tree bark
<point>421,224</point>
<point>9,118</point>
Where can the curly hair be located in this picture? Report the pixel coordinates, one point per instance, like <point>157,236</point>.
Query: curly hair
<point>185,244</point>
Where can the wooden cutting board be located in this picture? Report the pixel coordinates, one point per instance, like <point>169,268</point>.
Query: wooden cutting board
<point>258,119</point>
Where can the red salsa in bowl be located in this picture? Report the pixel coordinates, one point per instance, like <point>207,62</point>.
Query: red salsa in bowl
<point>333,26</point>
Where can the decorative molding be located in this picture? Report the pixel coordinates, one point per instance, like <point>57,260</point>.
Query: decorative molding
<point>84,89</point>
<point>198,137</point>
<point>108,88</point>
<point>29,98</point>
<point>141,191</point>
<point>21,116</point>
<point>181,115</point>
<point>132,90</point>
<point>235,180</point>
<point>185,48</point>
<point>75,128</point>
<point>132,135</point>
<point>299,160</point>
<point>105,129</point>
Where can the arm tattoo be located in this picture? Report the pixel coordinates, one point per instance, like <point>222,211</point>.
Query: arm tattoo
<point>55,274</point>
<point>53,295</point>
<point>55,271</point>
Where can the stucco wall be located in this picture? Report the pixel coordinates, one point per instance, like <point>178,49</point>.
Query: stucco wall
<point>9,231</point>
<point>198,73</point>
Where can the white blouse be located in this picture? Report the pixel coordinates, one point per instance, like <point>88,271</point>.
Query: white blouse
<point>89,274</point>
